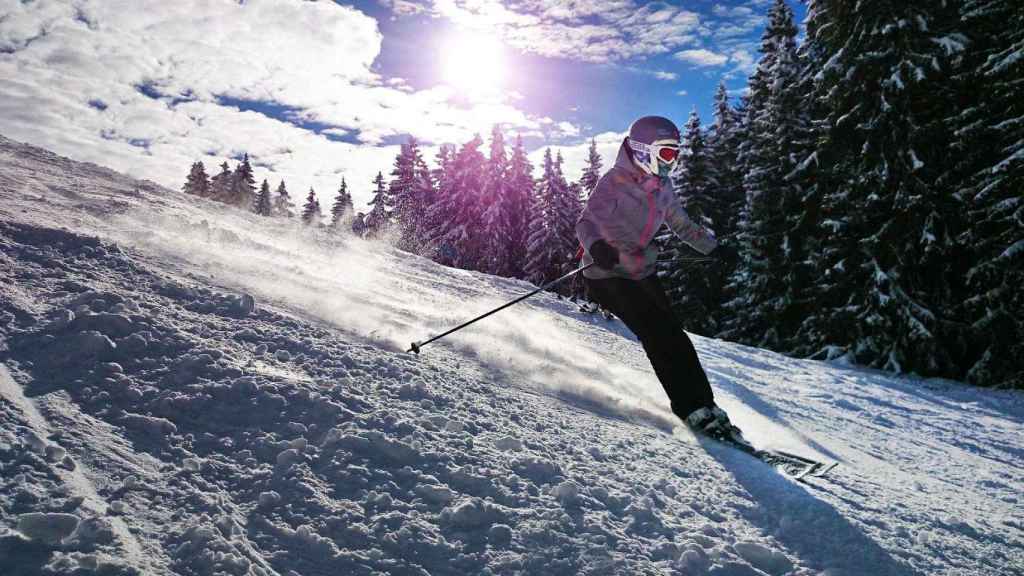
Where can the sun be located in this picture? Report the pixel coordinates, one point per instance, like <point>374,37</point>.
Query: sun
<point>473,63</point>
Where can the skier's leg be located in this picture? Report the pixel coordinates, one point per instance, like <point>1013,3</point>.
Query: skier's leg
<point>643,307</point>
<point>688,388</point>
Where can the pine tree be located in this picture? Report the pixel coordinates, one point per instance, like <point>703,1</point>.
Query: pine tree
<point>888,235</point>
<point>543,248</point>
<point>342,206</point>
<point>693,290</point>
<point>409,194</point>
<point>567,207</point>
<point>519,194</point>
<point>220,184</point>
<point>263,205</point>
<point>723,142</point>
<point>378,220</point>
<point>198,183</point>
<point>457,215</point>
<point>763,315</point>
<point>311,209</point>
<point>496,199</point>
<point>434,224</point>
<point>242,192</point>
<point>592,171</point>
<point>989,178</point>
<point>282,203</point>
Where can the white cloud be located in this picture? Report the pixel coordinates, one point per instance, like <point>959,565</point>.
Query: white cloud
<point>731,11</point>
<point>157,73</point>
<point>682,93</point>
<point>702,57</point>
<point>588,30</point>
<point>744,61</point>
<point>659,74</point>
<point>568,129</point>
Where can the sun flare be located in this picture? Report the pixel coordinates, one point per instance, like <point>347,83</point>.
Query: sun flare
<point>473,63</point>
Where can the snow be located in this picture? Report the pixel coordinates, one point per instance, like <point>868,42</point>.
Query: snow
<point>1000,63</point>
<point>154,420</point>
<point>915,162</point>
<point>952,43</point>
<point>1012,251</point>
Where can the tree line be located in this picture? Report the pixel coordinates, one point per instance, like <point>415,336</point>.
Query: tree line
<point>474,210</point>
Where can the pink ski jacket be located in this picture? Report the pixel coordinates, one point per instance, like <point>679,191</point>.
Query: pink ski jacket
<point>626,209</point>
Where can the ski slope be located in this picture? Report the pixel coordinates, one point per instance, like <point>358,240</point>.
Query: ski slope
<point>150,423</point>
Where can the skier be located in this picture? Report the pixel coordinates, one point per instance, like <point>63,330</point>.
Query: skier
<point>630,203</point>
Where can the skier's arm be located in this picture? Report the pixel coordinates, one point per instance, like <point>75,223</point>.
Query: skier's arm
<point>599,221</point>
<point>697,236</point>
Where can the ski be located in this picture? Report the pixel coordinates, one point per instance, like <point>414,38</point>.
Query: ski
<point>793,465</point>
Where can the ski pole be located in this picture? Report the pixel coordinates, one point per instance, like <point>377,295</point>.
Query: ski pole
<point>417,345</point>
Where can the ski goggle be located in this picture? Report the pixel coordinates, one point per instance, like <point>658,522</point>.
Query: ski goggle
<point>658,158</point>
<point>668,153</point>
<point>665,150</point>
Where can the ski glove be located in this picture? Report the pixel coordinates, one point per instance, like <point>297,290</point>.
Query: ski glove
<point>604,254</point>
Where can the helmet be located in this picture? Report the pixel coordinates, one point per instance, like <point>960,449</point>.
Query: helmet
<point>654,145</point>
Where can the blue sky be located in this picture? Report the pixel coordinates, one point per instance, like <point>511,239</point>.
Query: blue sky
<point>317,91</point>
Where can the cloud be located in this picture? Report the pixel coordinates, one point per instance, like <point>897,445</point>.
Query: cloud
<point>702,57</point>
<point>731,11</point>
<point>588,30</point>
<point>745,62</point>
<point>149,86</point>
<point>659,74</point>
<point>682,93</point>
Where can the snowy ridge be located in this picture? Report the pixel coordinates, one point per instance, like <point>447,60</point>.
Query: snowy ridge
<point>156,424</point>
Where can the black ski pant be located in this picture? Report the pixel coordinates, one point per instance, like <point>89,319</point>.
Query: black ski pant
<point>644,307</point>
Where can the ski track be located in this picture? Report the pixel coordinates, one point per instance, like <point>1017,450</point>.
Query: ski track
<point>299,438</point>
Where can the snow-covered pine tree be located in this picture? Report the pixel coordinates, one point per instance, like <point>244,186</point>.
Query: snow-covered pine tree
<point>543,248</point>
<point>378,220</point>
<point>567,206</point>
<point>759,281</point>
<point>198,183</point>
<point>591,171</point>
<point>243,185</point>
<point>436,219</point>
<point>311,209</point>
<point>263,205</point>
<point>282,203</point>
<point>425,194</point>
<point>409,193</point>
<point>694,289</point>
<point>342,208</point>
<point>520,195</point>
<point>723,141</point>
<point>890,232</point>
<point>990,144</point>
<point>457,215</point>
<point>815,176</point>
<point>220,184</point>
<point>496,259</point>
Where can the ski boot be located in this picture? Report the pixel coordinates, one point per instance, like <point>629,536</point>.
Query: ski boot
<point>713,422</point>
